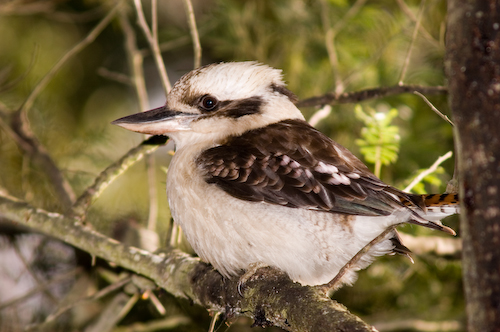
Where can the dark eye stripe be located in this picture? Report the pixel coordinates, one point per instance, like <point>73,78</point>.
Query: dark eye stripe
<point>230,108</point>
<point>284,91</point>
<point>239,108</point>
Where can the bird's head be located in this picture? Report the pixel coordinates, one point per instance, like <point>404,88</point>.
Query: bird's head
<point>216,101</point>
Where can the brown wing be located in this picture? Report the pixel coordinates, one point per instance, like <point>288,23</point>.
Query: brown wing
<point>292,164</point>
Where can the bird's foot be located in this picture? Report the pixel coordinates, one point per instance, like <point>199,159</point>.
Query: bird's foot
<point>249,274</point>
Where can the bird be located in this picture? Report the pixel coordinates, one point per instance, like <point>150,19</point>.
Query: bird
<point>251,183</point>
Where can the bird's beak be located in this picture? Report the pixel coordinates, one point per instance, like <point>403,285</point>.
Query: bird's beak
<point>158,121</point>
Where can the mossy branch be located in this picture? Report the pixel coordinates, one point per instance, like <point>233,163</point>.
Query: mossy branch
<point>270,297</point>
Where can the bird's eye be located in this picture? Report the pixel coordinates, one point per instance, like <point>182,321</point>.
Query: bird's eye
<point>208,103</point>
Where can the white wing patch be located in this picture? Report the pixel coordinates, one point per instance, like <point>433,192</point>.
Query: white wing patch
<point>336,177</point>
<point>326,168</point>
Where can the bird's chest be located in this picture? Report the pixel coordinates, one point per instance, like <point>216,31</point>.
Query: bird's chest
<point>198,207</point>
<point>185,188</point>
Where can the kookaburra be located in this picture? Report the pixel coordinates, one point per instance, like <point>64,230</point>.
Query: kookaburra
<point>251,182</point>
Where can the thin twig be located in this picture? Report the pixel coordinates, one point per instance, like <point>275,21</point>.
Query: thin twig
<point>128,306</point>
<point>355,8</point>
<point>5,193</point>
<point>22,133</point>
<point>330,47</point>
<point>335,281</point>
<point>358,70</point>
<point>168,45</point>
<point>320,114</point>
<point>420,325</point>
<point>409,13</point>
<point>50,10</point>
<point>79,17</point>
<point>428,171</point>
<point>114,76</point>
<point>135,58</point>
<point>19,79</point>
<point>26,8</point>
<point>378,158</point>
<point>194,32</point>
<point>113,171</point>
<point>152,192</point>
<point>113,312</point>
<point>215,317</point>
<point>103,292</point>
<point>25,183</point>
<point>358,96</point>
<point>153,44</point>
<point>444,117</point>
<point>168,323</point>
<point>39,282</point>
<point>154,19</point>
<point>16,125</point>
<point>452,186</point>
<point>174,230</point>
<point>413,38</point>
<point>67,56</point>
<point>156,302</point>
<point>330,35</point>
<point>57,279</point>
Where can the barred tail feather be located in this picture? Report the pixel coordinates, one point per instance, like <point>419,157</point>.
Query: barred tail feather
<point>434,207</point>
<point>440,206</point>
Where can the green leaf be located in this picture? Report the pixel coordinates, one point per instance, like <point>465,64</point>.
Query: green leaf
<point>379,142</point>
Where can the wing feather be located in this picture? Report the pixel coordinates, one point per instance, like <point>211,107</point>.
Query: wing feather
<point>292,164</point>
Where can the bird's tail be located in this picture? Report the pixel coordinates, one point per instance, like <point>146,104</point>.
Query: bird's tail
<point>432,208</point>
<point>440,206</point>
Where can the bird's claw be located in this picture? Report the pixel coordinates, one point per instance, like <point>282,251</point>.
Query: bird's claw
<point>249,273</point>
<point>239,287</point>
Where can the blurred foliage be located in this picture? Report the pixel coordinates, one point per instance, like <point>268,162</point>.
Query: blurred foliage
<point>71,116</point>
<point>433,179</point>
<point>380,140</point>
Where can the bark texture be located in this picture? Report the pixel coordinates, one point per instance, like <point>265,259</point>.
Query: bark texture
<point>473,69</point>
<point>270,297</point>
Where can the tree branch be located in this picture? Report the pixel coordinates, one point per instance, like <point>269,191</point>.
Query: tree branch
<point>153,44</point>
<point>41,287</point>
<point>428,171</point>
<point>67,56</point>
<point>270,297</point>
<point>139,82</point>
<point>194,32</point>
<point>358,96</point>
<point>441,115</point>
<point>22,133</point>
<point>472,67</point>
<point>413,38</point>
<point>15,125</point>
<point>113,171</point>
<point>61,310</point>
<point>408,13</point>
